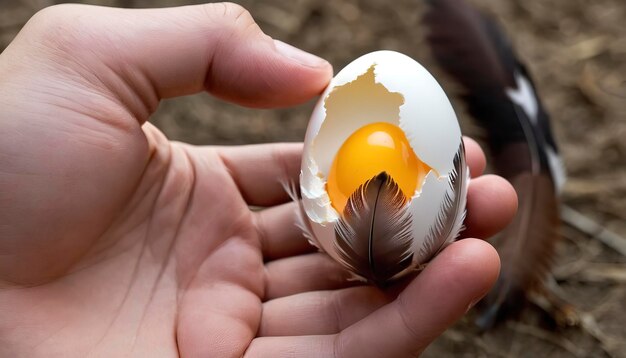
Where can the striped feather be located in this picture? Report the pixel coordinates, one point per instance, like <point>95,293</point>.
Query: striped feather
<point>449,222</point>
<point>373,236</point>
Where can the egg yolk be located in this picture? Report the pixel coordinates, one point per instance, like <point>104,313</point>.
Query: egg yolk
<point>372,149</point>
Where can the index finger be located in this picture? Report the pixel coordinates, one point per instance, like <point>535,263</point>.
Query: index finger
<point>260,171</point>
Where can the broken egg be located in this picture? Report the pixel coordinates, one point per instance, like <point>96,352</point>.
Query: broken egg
<point>384,178</point>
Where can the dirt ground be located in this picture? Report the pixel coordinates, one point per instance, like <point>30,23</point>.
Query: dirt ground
<point>577,51</point>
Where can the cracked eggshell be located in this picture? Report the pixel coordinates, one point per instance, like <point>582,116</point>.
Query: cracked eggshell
<point>382,86</point>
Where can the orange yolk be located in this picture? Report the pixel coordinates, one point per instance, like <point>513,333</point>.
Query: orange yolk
<point>372,149</point>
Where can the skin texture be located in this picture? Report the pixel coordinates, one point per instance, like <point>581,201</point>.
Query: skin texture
<point>116,242</point>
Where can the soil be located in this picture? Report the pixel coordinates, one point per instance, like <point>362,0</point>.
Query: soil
<point>576,50</point>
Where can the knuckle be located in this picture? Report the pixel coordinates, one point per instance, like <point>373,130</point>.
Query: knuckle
<point>278,156</point>
<point>57,28</point>
<point>50,14</point>
<point>335,306</point>
<point>404,308</point>
<point>236,12</point>
<point>339,345</point>
<point>45,21</point>
<point>233,17</point>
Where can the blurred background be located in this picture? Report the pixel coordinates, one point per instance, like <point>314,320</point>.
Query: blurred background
<point>576,50</point>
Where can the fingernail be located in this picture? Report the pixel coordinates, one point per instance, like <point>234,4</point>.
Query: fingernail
<point>302,57</point>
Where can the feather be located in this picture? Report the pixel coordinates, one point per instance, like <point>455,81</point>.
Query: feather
<point>500,95</point>
<point>302,221</point>
<point>373,236</point>
<point>526,248</point>
<point>449,221</point>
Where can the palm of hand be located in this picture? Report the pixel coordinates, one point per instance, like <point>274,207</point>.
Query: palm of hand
<point>179,263</point>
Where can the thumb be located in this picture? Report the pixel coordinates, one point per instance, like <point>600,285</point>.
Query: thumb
<point>162,53</point>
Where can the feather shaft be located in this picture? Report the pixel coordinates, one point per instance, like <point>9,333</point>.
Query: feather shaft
<point>373,237</point>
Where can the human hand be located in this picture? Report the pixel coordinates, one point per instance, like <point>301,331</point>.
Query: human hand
<point>115,241</point>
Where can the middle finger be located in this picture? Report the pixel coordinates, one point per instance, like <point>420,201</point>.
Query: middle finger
<point>304,273</point>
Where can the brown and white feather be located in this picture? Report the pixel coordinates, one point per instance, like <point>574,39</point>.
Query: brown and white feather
<point>373,235</point>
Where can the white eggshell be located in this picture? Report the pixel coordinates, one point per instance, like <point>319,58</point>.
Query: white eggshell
<point>399,91</point>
